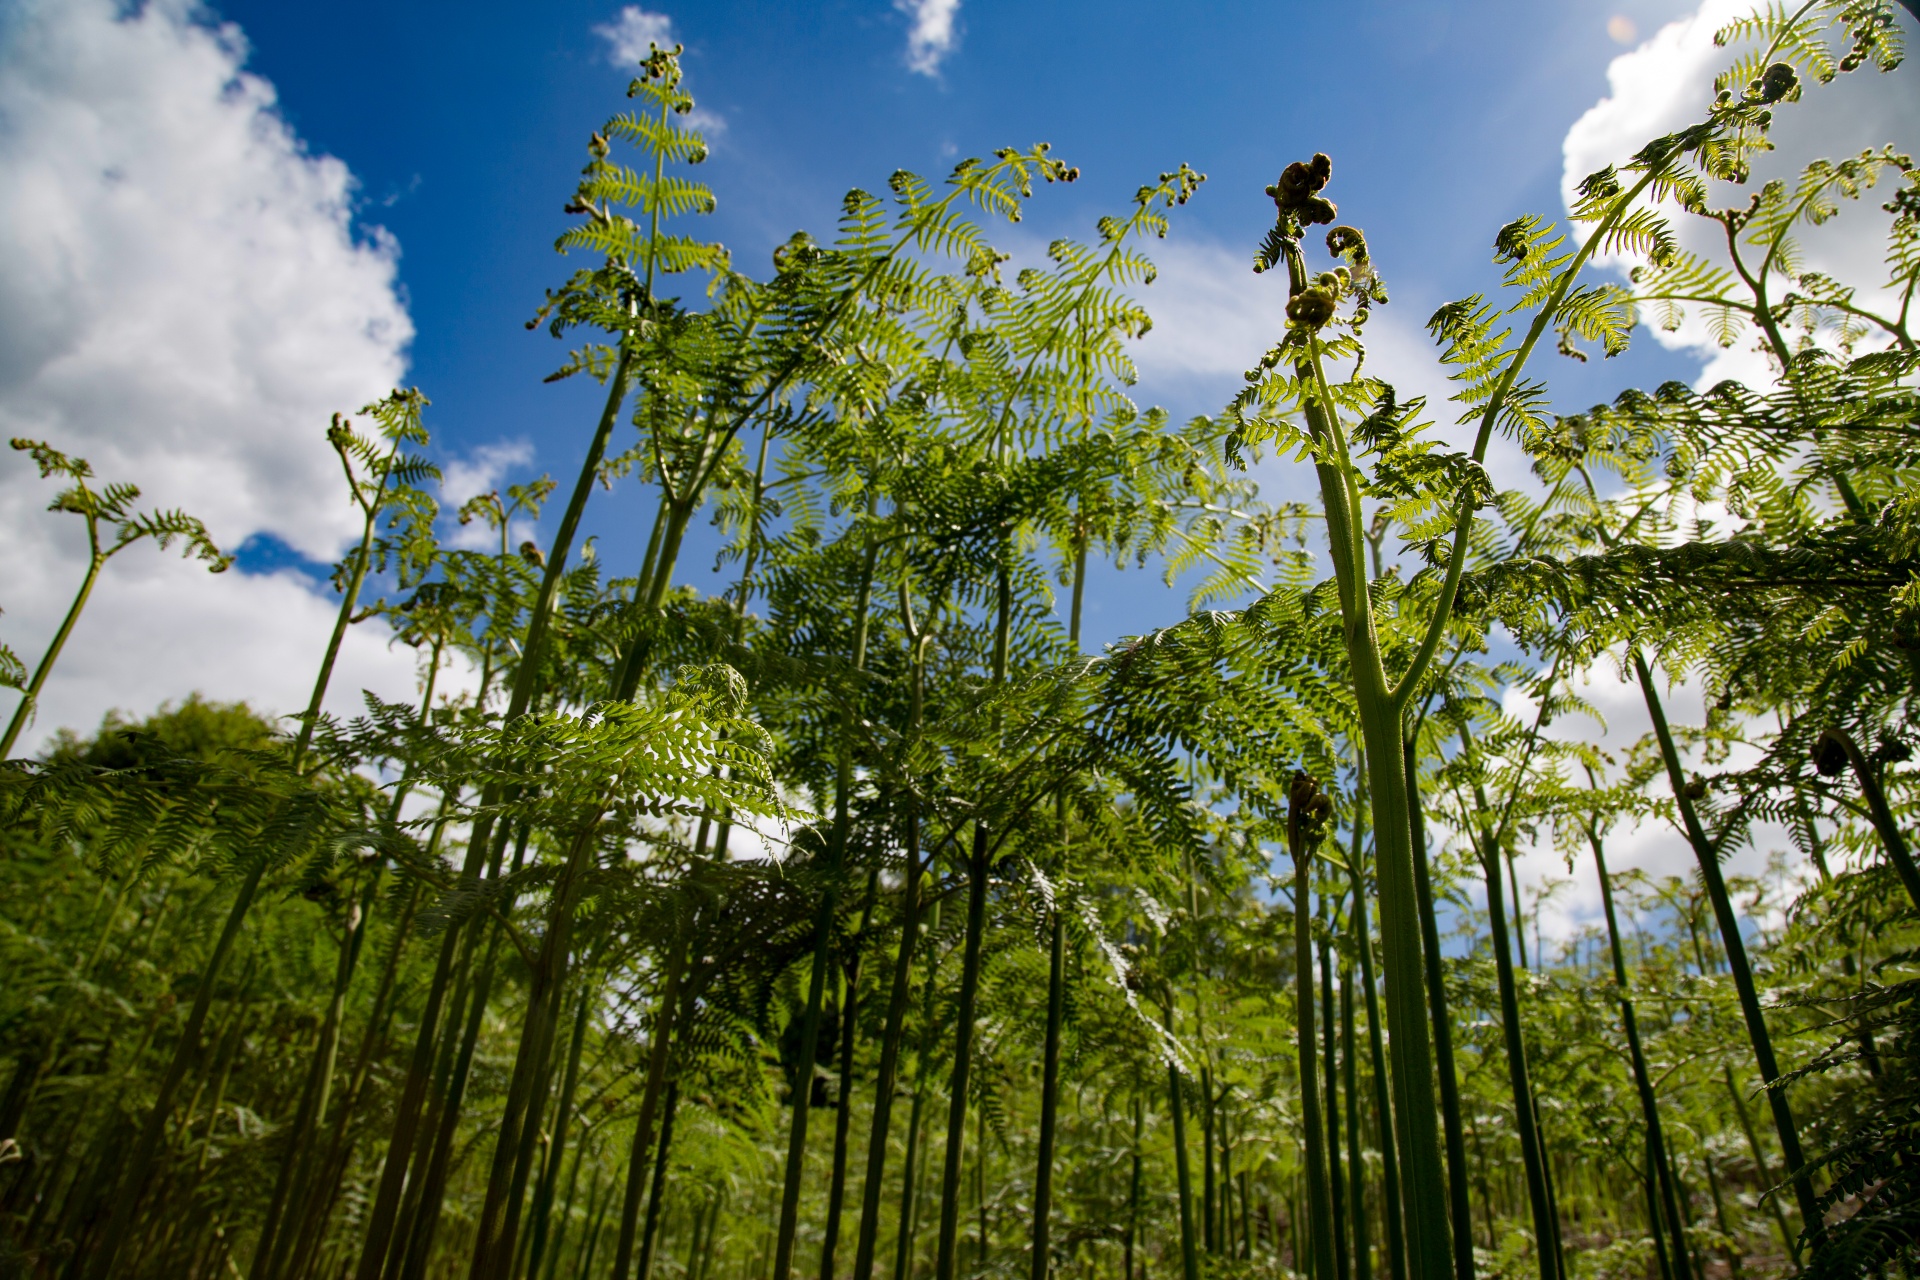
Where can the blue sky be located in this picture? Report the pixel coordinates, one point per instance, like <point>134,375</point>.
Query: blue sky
<point>465,124</point>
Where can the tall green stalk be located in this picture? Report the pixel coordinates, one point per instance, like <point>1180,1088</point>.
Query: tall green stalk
<point>1459,1210</point>
<point>527,680</point>
<point>1222,1121</point>
<point>823,932</point>
<point>1707,855</point>
<point>1303,825</point>
<point>1183,1173</point>
<point>1382,705</point>
<point>657,1185</point>
<point>1042,1251</point>
<point>1356,1167</point>
<point>1382,1102</point>
<point>1892,839</point>
<point>1209,1215</point>
<point>125,1204</point>
<point>657,1057</point>
<point>1663,1191</point>
<point>30,696</point>
<point>305,1161</point>
<point>527,1088</point>
<point>296,1163</point>
<point>1546,1227</point>
<point>843,1103</point>
<point>978,871</point>
<point>426,1191</point>
<point>110,504</point>
<point>946,1258</point>
<point>1330,1066</point>
<point>1134,1171</point>
<point>563,1119</point>
<point>913,1171</point>
<point>886,1077</point>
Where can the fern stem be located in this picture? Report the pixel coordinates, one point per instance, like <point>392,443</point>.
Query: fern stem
<point>125,1204</point>
<point>657,1056</point>
<point>1183,1174</point>
<point>823,929</point>
<point>1736,949</point>
<point>1533,1159</point>
<point>270,1251</point>
<point>1042,1257</point>
<point>1325,910</point>
<point>426,1191</point>
<point>349,600</point>
<point>913,1172</point>
<point>1376,1049</point>
<point>1459,1209</point>
<point>1133,1190</point>
<point>887,1075</point>
<point>1356,1167</point>
<point>30,697</point>
<point>1662,1194</point>
<point>1456,561</point>
<point>379,1015</point>
<point>563,1119</point>
<point>843,1102</point>
<point>1380,714</point>
<point>1312,1124</point>
<point>1884,824</point>
<point>657,1184</point>
<point>979,869</point>
<point>1050,1086</point>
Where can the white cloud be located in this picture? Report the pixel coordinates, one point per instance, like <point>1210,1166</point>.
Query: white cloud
<point>469,477</point>
<point>1652,846</point>
<point>186,302</point>
<point>482,471</point>
<point>708,124</point>
<point>1663,85</point>
<point>1213,319</point>
<point>933,35</point>
<point>1667,83</point>
<point>631,35</point>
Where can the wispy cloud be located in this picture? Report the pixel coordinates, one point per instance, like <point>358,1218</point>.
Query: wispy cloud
<point>709,124</point>
<point>630,35</point>
<point>934,34</point>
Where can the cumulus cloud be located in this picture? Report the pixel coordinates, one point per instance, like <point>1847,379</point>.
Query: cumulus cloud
<point>933,35</point>
<point>1667,83</point>
<point>186,301</point>
<point>633,33</point>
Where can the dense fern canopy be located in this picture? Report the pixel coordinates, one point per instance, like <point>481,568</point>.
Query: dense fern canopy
<point>858,916</point>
